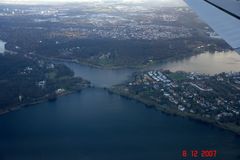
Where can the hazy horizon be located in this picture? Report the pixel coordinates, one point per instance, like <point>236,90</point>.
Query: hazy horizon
<point>161,2</point>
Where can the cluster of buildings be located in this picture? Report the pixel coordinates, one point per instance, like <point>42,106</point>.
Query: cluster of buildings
<point>158,76</point>
<point>93,22</point>
<point>195,93</point>
<point>25,11</point>
<point>137,26</point>
<point>26,70</point>
<point>143,32</point>
<point>122,27</point>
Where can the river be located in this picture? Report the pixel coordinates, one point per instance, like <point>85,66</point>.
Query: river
<point>208,63</point>
<point>101,77</point>
<point>96,125</point>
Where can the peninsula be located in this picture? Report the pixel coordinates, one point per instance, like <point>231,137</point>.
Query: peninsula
<point>212,99</point>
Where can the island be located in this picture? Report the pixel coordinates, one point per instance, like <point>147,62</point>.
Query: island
<point>212,99</point>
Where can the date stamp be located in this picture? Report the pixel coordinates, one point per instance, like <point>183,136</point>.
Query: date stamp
<point>199,154</point>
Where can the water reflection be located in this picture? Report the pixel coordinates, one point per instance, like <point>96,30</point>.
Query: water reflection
<point>2,46</point>
<point>208,63</point>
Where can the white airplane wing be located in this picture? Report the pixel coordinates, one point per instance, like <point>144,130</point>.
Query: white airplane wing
<point>223,16</point>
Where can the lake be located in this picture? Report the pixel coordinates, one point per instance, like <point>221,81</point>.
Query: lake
<point>208,63</point>
<point>96,125</point>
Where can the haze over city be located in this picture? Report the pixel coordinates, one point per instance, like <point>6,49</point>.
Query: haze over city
<point>159,2</point>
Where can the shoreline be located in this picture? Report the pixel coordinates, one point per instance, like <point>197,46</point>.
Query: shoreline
<point>39,101</point>
<point>156,63</point>
<point>228,127</point>
<point>147,103</point>
<point>174,112</point>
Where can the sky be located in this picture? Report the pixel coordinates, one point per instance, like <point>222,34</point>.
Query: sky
<point>164,2</point>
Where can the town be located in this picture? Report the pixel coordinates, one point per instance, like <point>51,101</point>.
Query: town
<point>120,22</point>
<point>106,35</point>
<point>214,98</point>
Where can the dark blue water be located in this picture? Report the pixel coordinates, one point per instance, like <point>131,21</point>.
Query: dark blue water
<point>96,125</point>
